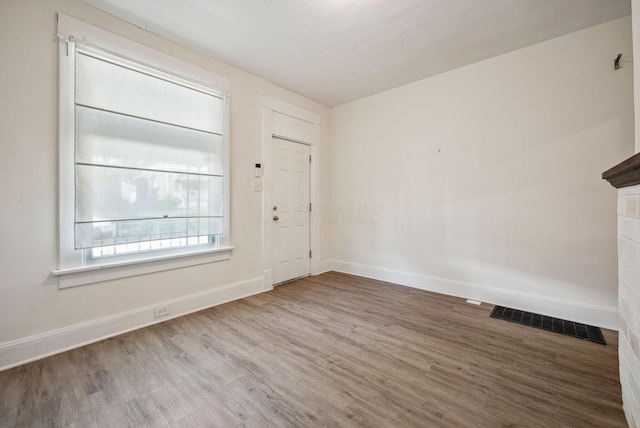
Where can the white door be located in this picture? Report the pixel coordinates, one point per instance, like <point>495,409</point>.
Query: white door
<point>290,211</point>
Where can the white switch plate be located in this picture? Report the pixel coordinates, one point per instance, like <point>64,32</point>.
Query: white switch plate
<point>257,184</point>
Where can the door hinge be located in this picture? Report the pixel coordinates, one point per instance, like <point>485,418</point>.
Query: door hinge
<point>309,158</point>
<point>309,253</point>
<point>309,206</point>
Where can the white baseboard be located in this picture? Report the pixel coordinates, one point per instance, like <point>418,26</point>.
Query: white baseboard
<point>21,351</point>
<point>316,266</point>
<point>601,316</point>
<point>319,266</point>
<point>326,266</point>
<point>268,279</point>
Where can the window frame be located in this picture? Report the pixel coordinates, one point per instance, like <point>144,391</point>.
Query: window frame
<point>77,267</point>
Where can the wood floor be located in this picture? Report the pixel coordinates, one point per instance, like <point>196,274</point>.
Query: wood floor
<point>332,350</point>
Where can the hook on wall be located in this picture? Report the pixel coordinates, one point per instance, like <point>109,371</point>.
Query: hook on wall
<point>616,62</point>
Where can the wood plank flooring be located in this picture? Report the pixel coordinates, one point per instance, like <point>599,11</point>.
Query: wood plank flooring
<point>326,351</point>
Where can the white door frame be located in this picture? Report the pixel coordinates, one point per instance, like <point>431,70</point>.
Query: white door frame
<point>269,107</point>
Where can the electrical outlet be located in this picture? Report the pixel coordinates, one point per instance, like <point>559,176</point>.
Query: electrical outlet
<point>162,311</point>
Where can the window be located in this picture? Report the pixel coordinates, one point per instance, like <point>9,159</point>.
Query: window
<point>143,159</point>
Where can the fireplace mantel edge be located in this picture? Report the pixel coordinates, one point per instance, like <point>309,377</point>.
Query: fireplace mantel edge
<point>625,174</point>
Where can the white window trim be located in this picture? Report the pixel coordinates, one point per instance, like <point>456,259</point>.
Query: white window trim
<point>91,274</point>
<point>72,268</point>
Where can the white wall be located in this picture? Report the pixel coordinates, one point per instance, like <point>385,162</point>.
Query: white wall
<point>635,10</point>
<point>485,181</point>
<point>30,302</point>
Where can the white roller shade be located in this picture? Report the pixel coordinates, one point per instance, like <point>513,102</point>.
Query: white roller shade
<point>149,153</point>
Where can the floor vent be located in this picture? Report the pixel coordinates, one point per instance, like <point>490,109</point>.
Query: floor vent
<point>556,325</point>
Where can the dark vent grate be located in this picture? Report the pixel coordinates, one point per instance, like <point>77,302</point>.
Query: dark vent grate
<point>556,325</point>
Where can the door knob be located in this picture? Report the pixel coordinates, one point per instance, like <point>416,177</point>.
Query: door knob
<point>276,218</point>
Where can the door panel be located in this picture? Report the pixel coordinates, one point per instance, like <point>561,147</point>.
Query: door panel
<point>290,219</point>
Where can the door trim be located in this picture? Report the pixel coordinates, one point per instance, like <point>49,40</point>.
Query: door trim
<point>271,106</point>
<point>293,140</point>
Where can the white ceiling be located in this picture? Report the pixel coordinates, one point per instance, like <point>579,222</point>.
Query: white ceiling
<point>334,51</point>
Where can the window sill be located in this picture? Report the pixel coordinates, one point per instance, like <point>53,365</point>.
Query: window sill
<point>84,275</point>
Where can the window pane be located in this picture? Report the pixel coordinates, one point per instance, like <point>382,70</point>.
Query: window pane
<point>104,193</point>
<point>104,85</point>
<point>107,233</point>
<point>111,139</point>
